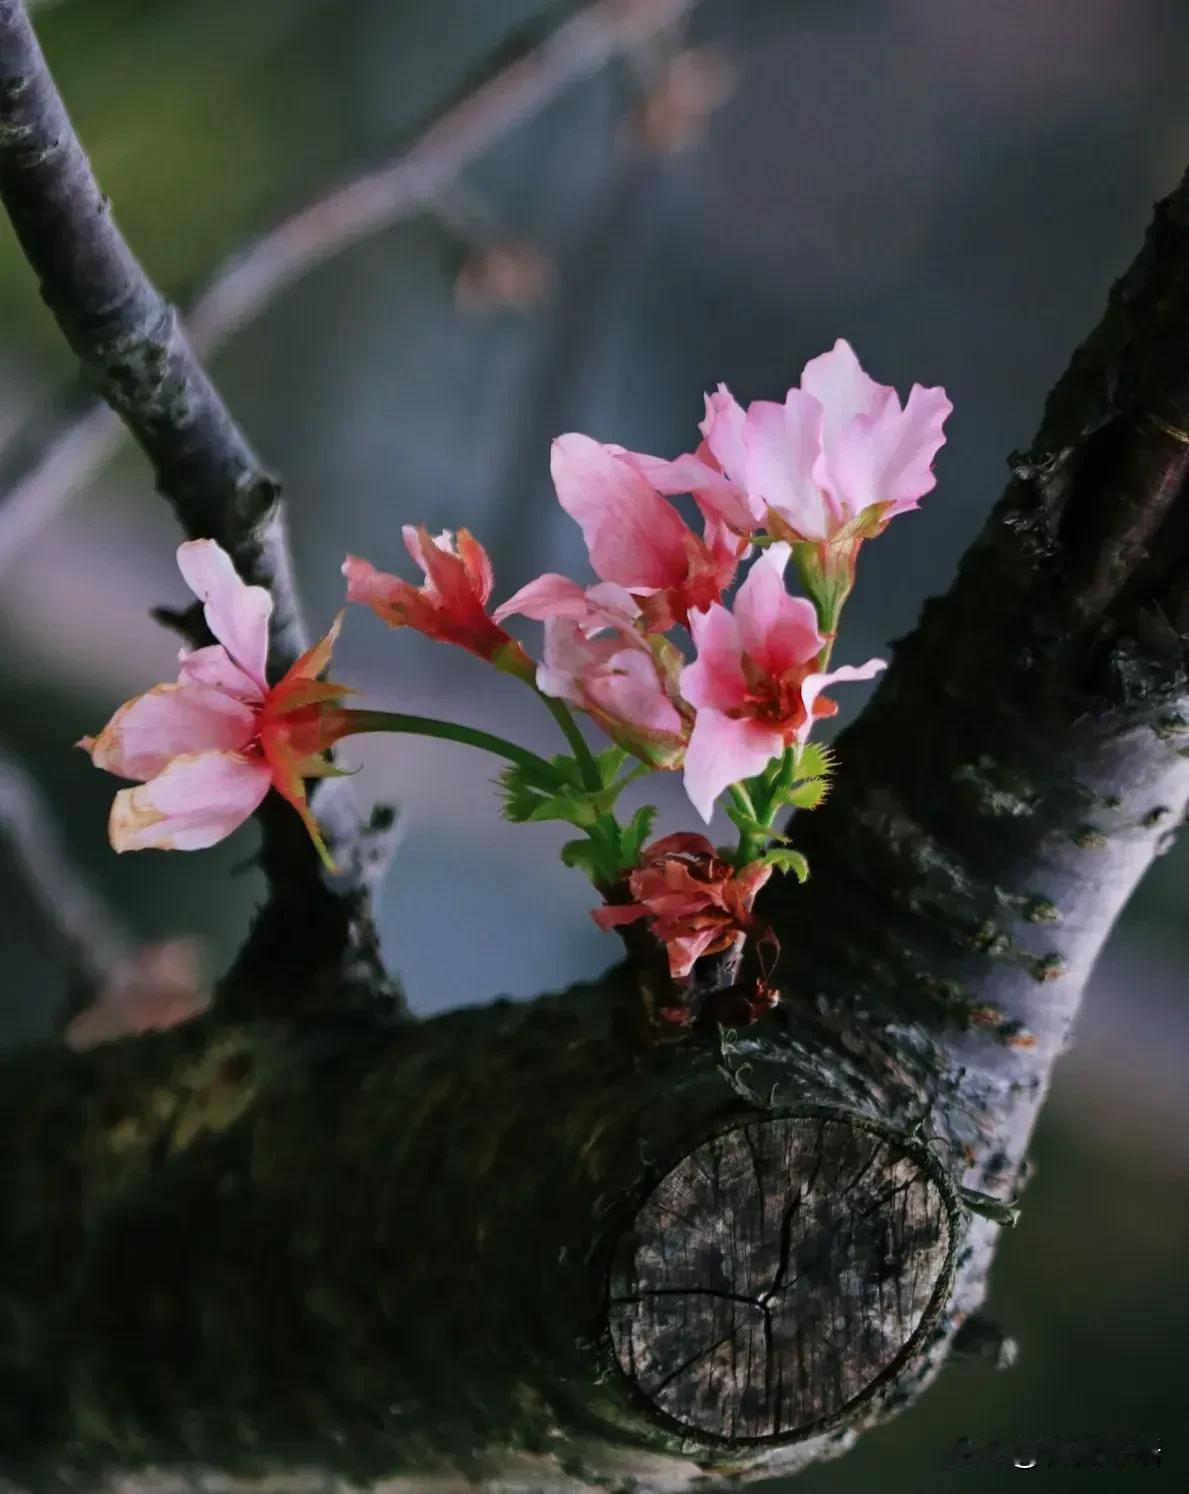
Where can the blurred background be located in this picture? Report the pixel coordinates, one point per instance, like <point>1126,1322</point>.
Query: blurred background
<point>950,185</point>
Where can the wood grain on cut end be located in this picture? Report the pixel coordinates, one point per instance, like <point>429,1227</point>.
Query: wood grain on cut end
<point>779,1273</point>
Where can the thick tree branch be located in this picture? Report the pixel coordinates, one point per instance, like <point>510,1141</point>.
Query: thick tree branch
<point>67,442</point>
<point>516,1244</point>
<point>1027,756</point>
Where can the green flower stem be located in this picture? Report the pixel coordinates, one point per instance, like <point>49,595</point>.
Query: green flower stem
<point>742,800</point>
<point>605,832</point>
<point>449,731</point>
<point>562,714</point>
<point>750,844</point>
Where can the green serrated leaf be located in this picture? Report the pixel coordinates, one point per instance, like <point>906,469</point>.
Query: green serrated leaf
<point>575,809</point>
<point>813,761</point>
<point>609,763</point>
<point>788,861</point>
<point>583,856</point>
<point>807,795</point>
<point>637,831</point>
<point>567,769</point>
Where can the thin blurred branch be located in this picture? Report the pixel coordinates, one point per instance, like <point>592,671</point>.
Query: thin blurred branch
<point>114,986</point>
<point>68,441</point>
<point>133,350</point>
<point>78,926</point>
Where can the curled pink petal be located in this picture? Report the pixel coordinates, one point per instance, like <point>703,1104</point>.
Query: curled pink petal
<point>237,614</point>
<point>606,605</point>
<point>723,430</point>
<point>197,801</point>
<point>813,685</point>
<point>215,669</point>
<point>146,733</point>
<point>549,595</point>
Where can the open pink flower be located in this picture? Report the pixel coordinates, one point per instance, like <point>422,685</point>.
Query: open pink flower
<point>451,604</point>
<point>207,749</point>
<point>753,683</point>
<point>695,902</point>
<point>841,448</point>
<point>635,538</point>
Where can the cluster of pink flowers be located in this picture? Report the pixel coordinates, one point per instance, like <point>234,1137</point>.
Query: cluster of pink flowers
<point>806,481</point>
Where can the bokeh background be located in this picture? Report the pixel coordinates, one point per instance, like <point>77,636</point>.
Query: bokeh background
<point>950,184</point>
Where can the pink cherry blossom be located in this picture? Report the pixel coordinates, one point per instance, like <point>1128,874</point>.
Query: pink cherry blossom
<point>695,902</point>
<point>208,749</point>
<point>753,684</point>
<point>636,539</point>
<point>839,447</point>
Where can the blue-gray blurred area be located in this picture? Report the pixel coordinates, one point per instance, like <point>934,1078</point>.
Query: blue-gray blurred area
<point>950,184</point>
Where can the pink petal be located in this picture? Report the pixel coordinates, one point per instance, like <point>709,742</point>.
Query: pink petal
<point>150,731</point>
<point>366,584</point>
<point>215,669</point>
<point>723,427</point>
<point>716,495</point>
<point>603,606</point>
<point>813,685</point>
<point>715,679</point>
<point>682,475</point>
<point>412,538</point>
<point>549,595</point>
<point>629,690</point>
<point>837,381</point>
<point>777,631</point>
<point>197,801</point>
<point>633,536</point>
<point>783,444</point>
<point>686,949</point>
<point>722,751</point>
<point>568,656</point>
<point>237,614</point>
<point>888,457</point>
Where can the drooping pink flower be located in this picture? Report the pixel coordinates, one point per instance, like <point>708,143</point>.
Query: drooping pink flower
<point>208,749</point>
<point>598,657</point>
<point>617,680</point>
<point>840,451</point>
<point>753,684</point>
<point>553,596</point>
<point>451,604</point>
<point>635,538</point>
<point>695,902</point>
